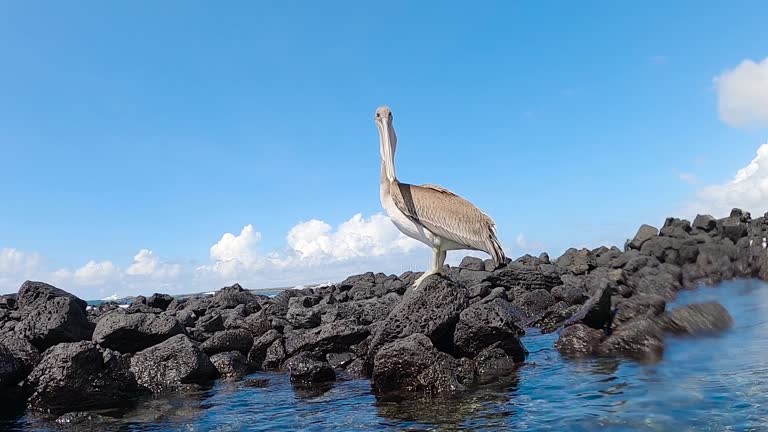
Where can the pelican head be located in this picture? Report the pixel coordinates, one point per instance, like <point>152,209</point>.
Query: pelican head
<point>387,139</point>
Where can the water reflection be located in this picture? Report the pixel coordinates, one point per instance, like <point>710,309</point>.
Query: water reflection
<point>713,382</point>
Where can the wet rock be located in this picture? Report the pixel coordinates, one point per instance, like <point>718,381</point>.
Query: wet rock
<point>432,310</point>
<point>357,369</point>
<point>228,340</point>
<point>340,360</point>
<point>260,345</point>
<point>159,301</point>
<point>535,302</point>
<point>645,233</point>
<point>10,369</point>
<point>98,380</point>
<point>638,306</point>
<point>274,356</point>
<point>705,223</point>
<point>230,364</point>
<point>412,366</point>
<point>333,337</point>
<point>56,320</point>
<point>576,261</point>
<point>596,312</point>
<point>697,318</point>
<point>551,319</point>
<point>494,361</point>
<point>655,280</point>
<point>305,370</point>
<point>482,325</point>
<point>23,351</point>
<point>579,340</point>
<point>171,364</point>
<point>34,294</point>
<point>640,339</point>
<point>80,418</point>
<point>129,333</point>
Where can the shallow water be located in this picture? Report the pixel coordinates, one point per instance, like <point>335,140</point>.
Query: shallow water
<point>707,383</point>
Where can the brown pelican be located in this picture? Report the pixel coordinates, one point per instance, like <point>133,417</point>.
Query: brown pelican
<point>429,213</point>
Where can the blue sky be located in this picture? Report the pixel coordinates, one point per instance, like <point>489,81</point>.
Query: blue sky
<point>164,125</point>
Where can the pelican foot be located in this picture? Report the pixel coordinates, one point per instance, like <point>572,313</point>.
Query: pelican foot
<point>417,283</point>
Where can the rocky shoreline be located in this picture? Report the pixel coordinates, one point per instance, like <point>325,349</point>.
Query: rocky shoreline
<point>439,341</point>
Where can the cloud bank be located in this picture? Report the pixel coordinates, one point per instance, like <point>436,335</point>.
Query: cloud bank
<point>314,251</point>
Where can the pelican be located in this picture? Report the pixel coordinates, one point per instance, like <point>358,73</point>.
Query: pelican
<point>429,213</point>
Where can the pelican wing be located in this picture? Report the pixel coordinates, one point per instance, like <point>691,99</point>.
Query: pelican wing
<point>448,215</point>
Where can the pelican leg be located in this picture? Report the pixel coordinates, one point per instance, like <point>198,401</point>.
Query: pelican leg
<point>437,267</point>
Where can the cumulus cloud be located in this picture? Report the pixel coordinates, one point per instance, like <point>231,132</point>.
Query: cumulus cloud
<point>313,249</point>
<point>743,94</point>
<point>146,263</point>
<point>526,246</point>
<point>16,266</point>
<point>358,237</point>
<point>747,190</point>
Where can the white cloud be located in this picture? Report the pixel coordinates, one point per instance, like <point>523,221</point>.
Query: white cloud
<point>358,237</point>
<point>526,246</point>
<point>313,248</point>
<point>747,190</point>
<point>743,94</point>
<point>13,261</point>
<point>95,273</point>
<point>146,263</point>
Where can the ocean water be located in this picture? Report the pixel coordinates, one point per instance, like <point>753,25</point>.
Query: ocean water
<point>703,383</point>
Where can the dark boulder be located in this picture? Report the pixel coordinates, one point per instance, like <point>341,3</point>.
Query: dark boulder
<point>705,223</point>
<point>34,294</point>
<point>11,371</point>
<point>159,301</point>
<point>340,360</point>
<point>333,337</point>
<point>570,294</point>
<point>129,333</point>
<point>472,263</point>
<point>494,361</point>
<point>25,353</point>
<point>638,306</point>
<point>697,318</point>
<point>172,364</point>
<point>640,339</point>
<point>545,276</point>
<point>78,376</point>
<point>482,325</point>
<point>577,261</point>
<point>232,296</point>
<point>228,340</point>
<point>257,324</point>
<point>258,351</point>
<point>535,302</point>
<point>596,312</point>
<point>579,340</point>
<point>305,370</point>
<point>300,316</point>
<point>274,356</point>
<point>53,321</point>
<point>230,364</point>
<point>432,310</point>
<point>644,233</point>
<point>412,366</point>
<point>364,312</point>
